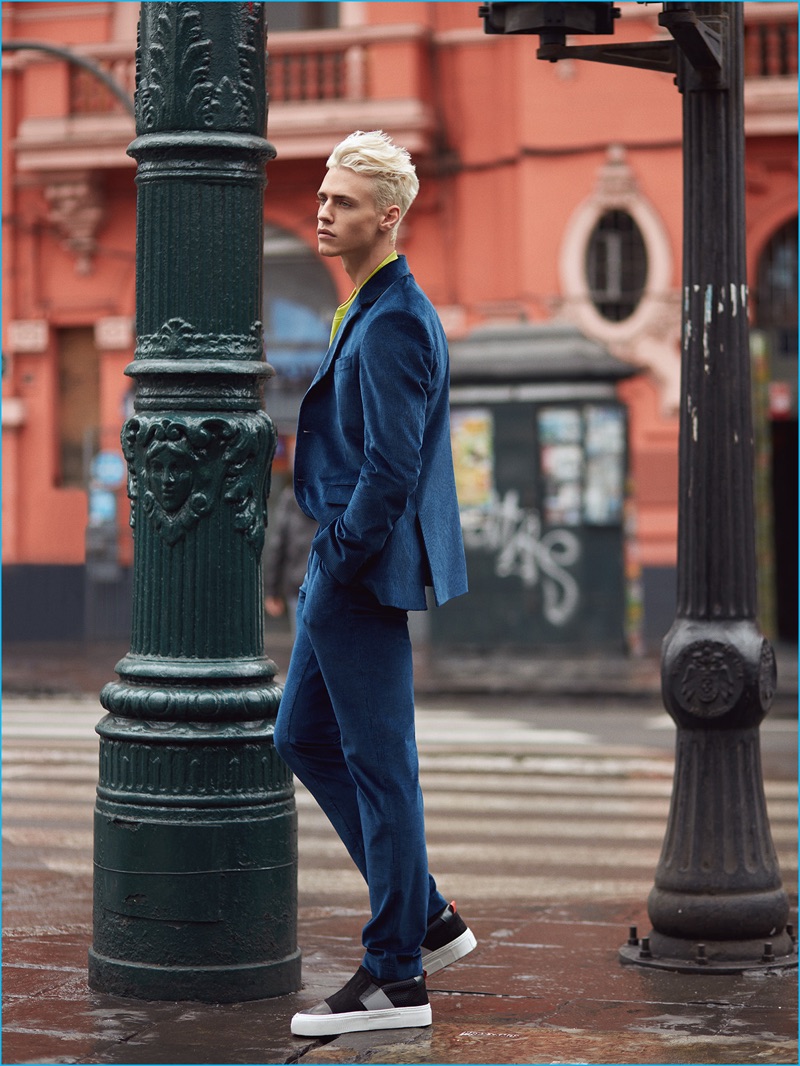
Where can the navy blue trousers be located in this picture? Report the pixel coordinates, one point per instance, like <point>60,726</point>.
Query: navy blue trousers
<point>346,729</point>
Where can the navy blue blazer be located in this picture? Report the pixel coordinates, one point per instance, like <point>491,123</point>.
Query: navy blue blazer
<point>373,461</point>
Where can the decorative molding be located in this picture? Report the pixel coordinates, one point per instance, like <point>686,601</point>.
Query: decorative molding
<point>616,185</point>
<point>178,339</point>
<point>651,335</point>
<point>169,702</point>
<point>14,412</point>
<point>113,333</point>
<point>75,209</point>
<point>28,335</point>
<point>179,391</point>
<point>249,774</point>
<point>770,107</point>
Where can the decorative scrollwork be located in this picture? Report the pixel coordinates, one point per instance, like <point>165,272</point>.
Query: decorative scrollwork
<point>179,339</point>
<point>245,488</point>
<point>174,48</point>
<point>252,112</point>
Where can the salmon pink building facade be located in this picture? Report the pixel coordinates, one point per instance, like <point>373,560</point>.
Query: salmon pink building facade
<point>550,207</point>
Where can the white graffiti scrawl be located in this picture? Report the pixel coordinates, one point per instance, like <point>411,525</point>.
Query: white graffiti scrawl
<point>514,535</point>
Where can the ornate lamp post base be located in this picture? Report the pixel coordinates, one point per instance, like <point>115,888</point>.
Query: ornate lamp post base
<point>195,852</point>
<point>718,903</point>
<point>721,957</point>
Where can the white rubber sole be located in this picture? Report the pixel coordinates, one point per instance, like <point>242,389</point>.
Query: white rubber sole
<point>452,952</point>
<point>361,1021</point>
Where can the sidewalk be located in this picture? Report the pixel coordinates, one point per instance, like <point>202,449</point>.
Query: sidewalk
<point>543,986</point>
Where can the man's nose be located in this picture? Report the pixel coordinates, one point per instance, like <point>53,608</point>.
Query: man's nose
<point>323,213</point>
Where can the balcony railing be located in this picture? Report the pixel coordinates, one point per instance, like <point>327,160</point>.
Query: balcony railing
<point>325,83</point>
<point>87,95</point>
<point>303,67</point>
<point>322,85</point>
<point>770,49</point>
<point>328,65</point>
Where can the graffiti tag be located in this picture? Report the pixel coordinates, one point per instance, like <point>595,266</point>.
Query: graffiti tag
<point>514,535</point>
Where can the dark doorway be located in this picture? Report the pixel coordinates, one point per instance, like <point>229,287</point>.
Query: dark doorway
<point>78,402</point>
<point>784,490</point>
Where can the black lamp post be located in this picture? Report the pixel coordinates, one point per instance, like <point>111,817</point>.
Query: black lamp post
<point>718,903</point>
<point>195,891</point>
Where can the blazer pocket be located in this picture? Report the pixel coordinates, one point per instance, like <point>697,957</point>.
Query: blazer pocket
<point>340,494</point>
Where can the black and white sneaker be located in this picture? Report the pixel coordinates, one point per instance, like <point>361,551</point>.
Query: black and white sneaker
<point>364,1004</point>
<point>447,940</point>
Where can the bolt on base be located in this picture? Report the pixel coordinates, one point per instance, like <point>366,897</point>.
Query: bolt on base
<point>722,957</point>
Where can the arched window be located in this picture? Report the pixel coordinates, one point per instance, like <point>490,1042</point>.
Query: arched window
<point>616,265</point>
<point>776,290</point>
<point>299,301</point>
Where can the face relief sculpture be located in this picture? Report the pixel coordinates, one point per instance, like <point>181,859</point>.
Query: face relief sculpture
<point>169,474</point>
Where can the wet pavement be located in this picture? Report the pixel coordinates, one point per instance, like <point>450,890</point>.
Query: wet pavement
<point>550,907</point>
<point>543,986</point>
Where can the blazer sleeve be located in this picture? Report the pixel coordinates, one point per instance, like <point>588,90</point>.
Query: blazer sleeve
<point>396,364</point>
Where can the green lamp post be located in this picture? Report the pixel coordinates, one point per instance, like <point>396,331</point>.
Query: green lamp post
<point>195,827</point>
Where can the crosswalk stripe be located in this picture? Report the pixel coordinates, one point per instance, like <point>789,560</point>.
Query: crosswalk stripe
<point>560,814</point>
<point>44,756</point>
<point>37,787</point>
<point>32,836</point>
<point>473,885</point>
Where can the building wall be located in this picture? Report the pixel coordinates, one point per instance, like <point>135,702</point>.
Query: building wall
<point>515,156</point>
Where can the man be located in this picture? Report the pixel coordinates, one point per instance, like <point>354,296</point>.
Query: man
<point>373,466</point>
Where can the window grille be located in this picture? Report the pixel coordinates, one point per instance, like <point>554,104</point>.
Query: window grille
<point>776,290</point>
<point>616,265</point>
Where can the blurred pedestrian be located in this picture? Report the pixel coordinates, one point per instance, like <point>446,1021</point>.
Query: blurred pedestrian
<point>286,556</point>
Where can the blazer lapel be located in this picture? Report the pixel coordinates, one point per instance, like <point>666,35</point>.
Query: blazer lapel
<point>368,294</point>
<point>332,351</point>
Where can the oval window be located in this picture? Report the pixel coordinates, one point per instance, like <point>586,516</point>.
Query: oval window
<point>616,265</point>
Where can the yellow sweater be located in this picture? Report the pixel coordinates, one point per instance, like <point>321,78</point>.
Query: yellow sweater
<point>342,309</point>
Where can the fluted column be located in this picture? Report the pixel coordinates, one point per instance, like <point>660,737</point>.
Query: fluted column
<point>195,832</point>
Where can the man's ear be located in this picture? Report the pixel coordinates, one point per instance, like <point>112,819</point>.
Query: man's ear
<point>391,217</point>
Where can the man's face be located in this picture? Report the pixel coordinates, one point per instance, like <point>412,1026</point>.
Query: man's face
<point>348,220</point>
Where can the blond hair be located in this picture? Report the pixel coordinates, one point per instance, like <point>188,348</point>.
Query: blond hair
<point>376,155</point>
